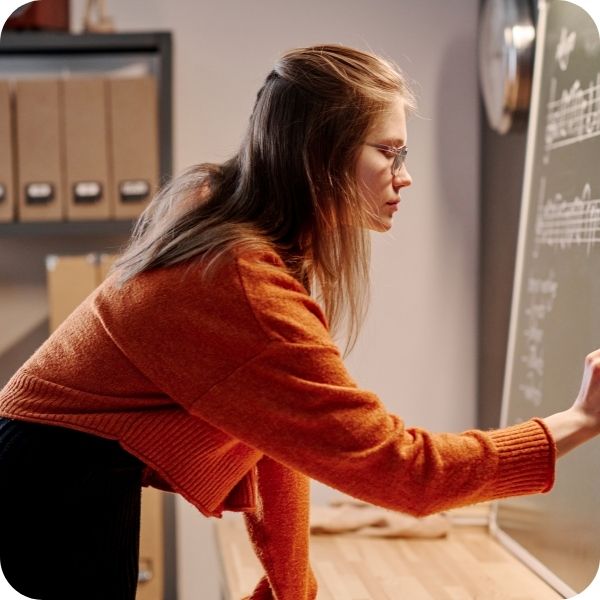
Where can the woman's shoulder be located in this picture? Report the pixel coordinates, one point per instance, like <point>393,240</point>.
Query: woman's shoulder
<point>262,262</point>
<point>252,286</point>
<point>280,302</point>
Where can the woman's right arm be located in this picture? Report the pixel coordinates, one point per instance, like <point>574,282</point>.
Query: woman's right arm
<point>250,354</point>
<point>297,405</point>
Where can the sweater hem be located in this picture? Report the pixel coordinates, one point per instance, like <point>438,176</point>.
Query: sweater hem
<point>25,383</point>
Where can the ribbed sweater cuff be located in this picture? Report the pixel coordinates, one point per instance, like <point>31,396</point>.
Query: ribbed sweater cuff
<point>527,457</point>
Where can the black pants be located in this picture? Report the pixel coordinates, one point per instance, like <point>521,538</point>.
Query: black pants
<point>69,514</point>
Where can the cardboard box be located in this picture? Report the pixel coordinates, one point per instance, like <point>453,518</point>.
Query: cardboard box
<point>7,191</point>
<point>134,139</point>
<point>70,280</point>
<point>86,149</point>
<point>39,151</point>
<point>105,262</point>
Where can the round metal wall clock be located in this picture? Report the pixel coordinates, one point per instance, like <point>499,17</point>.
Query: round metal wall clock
<point>506,51</point>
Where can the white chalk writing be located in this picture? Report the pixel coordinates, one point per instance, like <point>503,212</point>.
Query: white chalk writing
<point>541,294</point>
<point>565,223</point>
<point>565,46</point>
<point>572,117</point>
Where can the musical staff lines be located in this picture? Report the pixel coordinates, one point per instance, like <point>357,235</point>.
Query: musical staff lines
<point>564,224</point>
<point>574,116</point>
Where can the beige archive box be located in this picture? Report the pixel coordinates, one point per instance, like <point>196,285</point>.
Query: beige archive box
<point>105,262</point>
<point>39,151</point>
<point>7,203</point>
<point>133,132</point>
<point>86,149</point>
<point>70,280</point>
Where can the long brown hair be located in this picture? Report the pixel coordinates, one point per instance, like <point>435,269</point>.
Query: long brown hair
<point>291,186</point>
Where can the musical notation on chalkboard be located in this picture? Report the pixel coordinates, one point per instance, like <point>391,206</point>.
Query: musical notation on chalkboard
<point>541,294</point>
<point>562,223</point>
<point>572,117</point>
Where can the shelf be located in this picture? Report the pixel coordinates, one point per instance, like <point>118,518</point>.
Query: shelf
<point>44,42</point>
<point>70,228</point>
<point>23,308</point>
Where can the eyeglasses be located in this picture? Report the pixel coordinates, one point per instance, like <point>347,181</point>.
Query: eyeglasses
<point>399,156</point>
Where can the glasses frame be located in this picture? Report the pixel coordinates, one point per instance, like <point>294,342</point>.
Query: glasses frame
<point>399,153</point>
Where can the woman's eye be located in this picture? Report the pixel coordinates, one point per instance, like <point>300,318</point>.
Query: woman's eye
<point>388,154</point>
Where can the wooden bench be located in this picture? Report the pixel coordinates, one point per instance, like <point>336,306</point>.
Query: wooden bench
<point>468,564</point>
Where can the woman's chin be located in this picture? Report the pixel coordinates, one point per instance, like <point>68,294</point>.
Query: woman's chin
<point>380,224</point>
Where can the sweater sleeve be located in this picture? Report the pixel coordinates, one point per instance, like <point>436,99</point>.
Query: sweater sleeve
<point>279,531</point>
<point>296,404</point>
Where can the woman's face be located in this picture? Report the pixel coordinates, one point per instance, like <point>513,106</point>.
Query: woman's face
<point>379,188</point>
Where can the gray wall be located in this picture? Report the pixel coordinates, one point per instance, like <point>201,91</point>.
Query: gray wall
<point>502,170</point>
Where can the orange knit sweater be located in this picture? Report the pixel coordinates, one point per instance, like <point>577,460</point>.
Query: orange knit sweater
<point>232,393</point>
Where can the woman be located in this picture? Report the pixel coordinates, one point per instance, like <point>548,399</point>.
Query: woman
<point>204,366</point>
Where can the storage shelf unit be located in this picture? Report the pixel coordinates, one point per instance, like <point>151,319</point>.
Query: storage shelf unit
<point>25,245</point>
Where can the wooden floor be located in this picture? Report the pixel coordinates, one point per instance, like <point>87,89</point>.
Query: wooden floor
<point>467,565</point>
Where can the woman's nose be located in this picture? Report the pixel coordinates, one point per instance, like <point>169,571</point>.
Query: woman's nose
<point>402,178</point>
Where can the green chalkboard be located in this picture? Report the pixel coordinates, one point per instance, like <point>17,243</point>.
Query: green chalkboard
<point>555,318</point>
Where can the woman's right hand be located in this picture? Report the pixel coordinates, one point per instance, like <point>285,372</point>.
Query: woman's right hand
<point>581,422</point>
<point>588,399</point>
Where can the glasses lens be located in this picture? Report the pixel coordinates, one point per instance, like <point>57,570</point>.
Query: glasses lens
<point>398,162</point>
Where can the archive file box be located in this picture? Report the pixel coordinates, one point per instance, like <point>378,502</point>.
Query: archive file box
<point>105,262</point>
<point>7,208</point>
<point>70,279</point>
<point>86,149</point>
<point>134,139</point>
<point>39,150</point>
